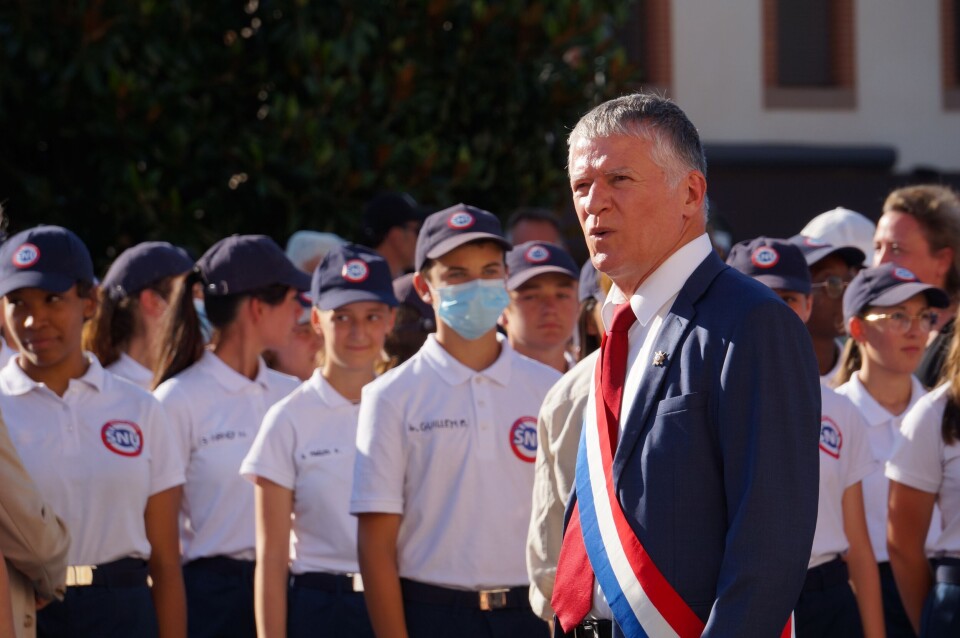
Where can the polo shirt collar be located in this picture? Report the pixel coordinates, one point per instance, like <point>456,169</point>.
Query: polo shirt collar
<point>663,283</point>
<point>231,380</point>
<point>874,413</point>
<point>330,397</point>
<point>16,382</point>
<point>455,373</point>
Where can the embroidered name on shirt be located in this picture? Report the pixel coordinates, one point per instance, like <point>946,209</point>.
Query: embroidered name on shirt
<point>438,424</point>
<point>122,437</point>
<point>228,435</point>
<point>319,453</point>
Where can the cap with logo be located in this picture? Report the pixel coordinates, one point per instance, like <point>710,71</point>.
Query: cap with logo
<point>590,283</point>
<point>774,262</point>
<point>407,295</point>
<point>349,274</point>
<point>385,211</point>
<point>48,257</point>
<point>452,227</point>
<point>815,250</point>
<point>244,263</point>
<point>887,285</point>
<point>139,266</point>
<point>532,258</point>
<point>843,227</point>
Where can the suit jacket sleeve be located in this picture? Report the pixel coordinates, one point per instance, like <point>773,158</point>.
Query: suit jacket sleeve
<point>768,416</point>
<point>32,537</point>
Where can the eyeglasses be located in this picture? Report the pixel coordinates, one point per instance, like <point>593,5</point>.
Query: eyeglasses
<point>900,322</point>
<point>833,286</point>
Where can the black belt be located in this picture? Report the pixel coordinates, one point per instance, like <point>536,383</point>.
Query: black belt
<point>125,572</point>
<point>826,576</point>
<point>324,581</point>
<point>224,565</point>
<point>485,600</point>
<point>591,628</point>
<point>948,570</point>
<point>885,570</point>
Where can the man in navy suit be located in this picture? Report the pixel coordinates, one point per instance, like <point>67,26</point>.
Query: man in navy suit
<point>714,461</point>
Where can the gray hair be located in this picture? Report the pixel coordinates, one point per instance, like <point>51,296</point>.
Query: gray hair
<point>676,143</point>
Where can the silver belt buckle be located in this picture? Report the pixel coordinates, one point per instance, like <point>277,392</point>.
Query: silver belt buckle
<point>80,575</point>
<point>491,599</point>
<point>357,582</point>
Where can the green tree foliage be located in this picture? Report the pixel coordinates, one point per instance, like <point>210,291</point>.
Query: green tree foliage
<point>128,120</point>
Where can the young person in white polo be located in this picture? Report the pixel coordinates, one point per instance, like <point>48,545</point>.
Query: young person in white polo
<point>828,606</point>
<point>216,399</point>
<point>302,460</point>
<point>888,314</point>
<point>133,297</point>
<point>542,315</point>
<point>98,447</point>
<point>445,451</point>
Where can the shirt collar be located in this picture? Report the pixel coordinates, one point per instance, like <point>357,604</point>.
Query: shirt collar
<point>16,381</point>
<point>231,380</point>
<point>455,373</point>
<point>327,393</point>
<point>874,413</point>
<point>662,284</point>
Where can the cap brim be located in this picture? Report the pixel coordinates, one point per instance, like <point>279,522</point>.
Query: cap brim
<point>898,294</point>
<point>338,298</point>
<point>36,279</point>
<point>296,279</point>
<point>518,280</point>
<point>851,255</point>
<point>779,282</point>
<point>445,246</point>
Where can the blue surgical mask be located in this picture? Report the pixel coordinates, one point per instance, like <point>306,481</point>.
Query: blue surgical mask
<point>472,309</point>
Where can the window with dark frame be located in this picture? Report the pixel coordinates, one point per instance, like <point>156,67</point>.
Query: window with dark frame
<point>645,36</point>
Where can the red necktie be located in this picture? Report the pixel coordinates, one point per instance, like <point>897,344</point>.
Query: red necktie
<point>573,587</point>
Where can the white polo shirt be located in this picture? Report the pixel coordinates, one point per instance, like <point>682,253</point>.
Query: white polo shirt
<point>922,460</point>
<point>6,352</point>
<point>130,369</point>
<point>215,413</point>
<point>452,450</point>
<point>845,459</point>
<point>307,444</point>
<point>883,430</point>
<point>96,454</point>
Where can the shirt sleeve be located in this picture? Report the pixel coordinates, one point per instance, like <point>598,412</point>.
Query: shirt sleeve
<point>166,463</point>
<point>380,466</point>
<point>271,455</point>
<point>917,459</point>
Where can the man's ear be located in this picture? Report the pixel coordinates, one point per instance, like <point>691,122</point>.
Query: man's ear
<point>423,290</point>
<point>857,330</point>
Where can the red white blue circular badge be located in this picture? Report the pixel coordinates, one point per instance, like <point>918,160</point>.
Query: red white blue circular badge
<point>537,254</point>
<point>765,257</point>
<point>122,437</point>
<point>355,271</point>
<point>831,438</point>
<point>523,438</point>
<point>903,274</point>
<point>460,221</point>
<point>26,256</point>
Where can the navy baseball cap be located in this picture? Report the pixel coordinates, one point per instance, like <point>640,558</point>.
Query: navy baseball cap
<point>887,285</point>
<point>815,250</point>
<point>532,258</point>
<point>452,227</point>
<point>407,295</point>
<point>351,273</point>
<point>774,262</point>
<point>243,263</point>
<point>139,266</point>
<point>48,257</point>
<point>385,211</point>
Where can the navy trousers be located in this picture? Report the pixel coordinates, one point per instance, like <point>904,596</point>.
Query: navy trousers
<point>313,612</point>
<point>219,598</point>
<point>100,612</point>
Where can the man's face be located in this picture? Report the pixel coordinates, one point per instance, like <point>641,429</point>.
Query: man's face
<point>632,217</point>
<point>826,320</point>
<point>900,239</point>
<point>542,312</point>
<point>534,230</point>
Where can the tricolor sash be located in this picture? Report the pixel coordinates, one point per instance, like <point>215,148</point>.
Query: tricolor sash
<point>643,602</point>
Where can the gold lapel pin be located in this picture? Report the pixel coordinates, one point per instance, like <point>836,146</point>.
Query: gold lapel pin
<point>659,358</point>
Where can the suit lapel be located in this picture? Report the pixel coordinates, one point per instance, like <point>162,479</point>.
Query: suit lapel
<point>669,341</point>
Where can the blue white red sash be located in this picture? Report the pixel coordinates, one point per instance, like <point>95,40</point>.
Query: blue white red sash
<point>643,602</point>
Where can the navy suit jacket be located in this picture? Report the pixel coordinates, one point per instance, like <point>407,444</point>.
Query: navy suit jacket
<point>717,469</point>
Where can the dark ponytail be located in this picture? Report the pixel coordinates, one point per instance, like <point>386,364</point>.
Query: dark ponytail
<point>181,339</point>
<point>851,360</point>
<point>109,332</point>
